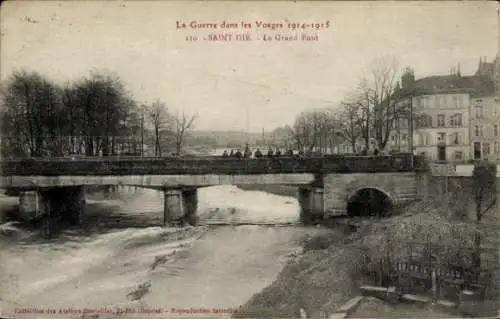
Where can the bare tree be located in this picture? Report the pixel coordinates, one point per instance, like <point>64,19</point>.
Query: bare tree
<point>31,123</point>
<point>40,118</point>
<point>315,129</point>
<point>283,136</point>
<point>304,131</point>
<point>182,124</point>
<point>350,119</point>
<point>161,122</point>
<point>384,98</point>
<point>376,103</point>
<point>359,111</point>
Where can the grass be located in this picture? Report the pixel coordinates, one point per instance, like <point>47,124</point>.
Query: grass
<point>332,267</point>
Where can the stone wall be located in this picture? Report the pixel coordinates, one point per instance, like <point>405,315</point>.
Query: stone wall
<point>156,180</point>
<point>401,188</point>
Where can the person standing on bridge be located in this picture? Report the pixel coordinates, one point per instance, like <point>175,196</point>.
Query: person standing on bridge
<point>238,154</point>
<point>258,153</point>
<point>247,152</point>
<point>270,152</point>
<point>224,154</point>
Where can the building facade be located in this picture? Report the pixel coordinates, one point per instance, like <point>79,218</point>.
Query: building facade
<point>443,118</point>
<point>438,110</point>
<point>485,128</point>
<point>454,117</point>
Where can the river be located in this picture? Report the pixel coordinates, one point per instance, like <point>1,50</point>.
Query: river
<point>203,267</point>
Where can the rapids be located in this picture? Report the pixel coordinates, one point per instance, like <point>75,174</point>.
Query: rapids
<point>124,254</point>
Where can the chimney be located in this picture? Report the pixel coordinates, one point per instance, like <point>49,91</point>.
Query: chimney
<point>458,70</point>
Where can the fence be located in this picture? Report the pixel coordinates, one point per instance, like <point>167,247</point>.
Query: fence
<point>432,274</point>
<point>207,165</point>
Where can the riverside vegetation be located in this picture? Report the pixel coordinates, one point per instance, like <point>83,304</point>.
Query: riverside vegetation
<point>457,224</point>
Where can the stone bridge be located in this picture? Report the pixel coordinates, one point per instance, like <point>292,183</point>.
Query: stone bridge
<point>327,185</point>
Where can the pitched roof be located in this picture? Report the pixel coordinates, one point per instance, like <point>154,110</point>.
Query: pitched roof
<point>476,85</point>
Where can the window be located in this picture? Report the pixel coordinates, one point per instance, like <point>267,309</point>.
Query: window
<point>440,120</point>
<point>454,99</point>
<point>441,137</point>
<point>479,111</point>
<point>425,101</point>
<point>456,139</point>
<point>442,101</point>
<point>495,130</point>
<point>459,155</point>
<point>456,120</point>
<point>493,110</point>
<point>486,149</point>
<point>477,131</point>
<point>426,139</point>
<point>403,123</point>
<point>403,137</point>
<point>424,121</point>
<point>488,131</point>
<point>423,139</point>
<point>418,102</point>
<point>497,147</point>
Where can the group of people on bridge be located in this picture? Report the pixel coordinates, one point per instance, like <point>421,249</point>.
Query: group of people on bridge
<point>247,153</point>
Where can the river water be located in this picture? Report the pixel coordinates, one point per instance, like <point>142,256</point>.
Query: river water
<point>205,267</point>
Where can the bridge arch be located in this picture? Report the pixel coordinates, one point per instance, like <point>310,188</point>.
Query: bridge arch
<point>370,201</point>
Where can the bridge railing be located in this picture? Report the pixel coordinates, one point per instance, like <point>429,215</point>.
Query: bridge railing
<point>211,165</point>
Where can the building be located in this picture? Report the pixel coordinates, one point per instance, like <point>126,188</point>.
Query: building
<point>485,113</point>
<point>441,110</point>
<point>485,128</point>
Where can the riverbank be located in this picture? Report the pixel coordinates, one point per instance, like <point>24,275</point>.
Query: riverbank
<point>329,273</point>
<point>322,280</point>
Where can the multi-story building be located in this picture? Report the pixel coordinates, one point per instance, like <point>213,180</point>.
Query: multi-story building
<point>485,113</point>
<point>485,128</point>
<point>439,107</point>
<point>442,114</point>
<point>442,117</point>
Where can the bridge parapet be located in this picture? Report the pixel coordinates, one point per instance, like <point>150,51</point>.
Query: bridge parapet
<point>211,165</point>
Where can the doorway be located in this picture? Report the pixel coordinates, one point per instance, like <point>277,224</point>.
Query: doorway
<point>477,150</point>
<point>441,152</point>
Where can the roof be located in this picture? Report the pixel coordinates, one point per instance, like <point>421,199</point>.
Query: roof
<point>476,85</point>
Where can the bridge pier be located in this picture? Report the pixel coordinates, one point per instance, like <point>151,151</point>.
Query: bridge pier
<point>179,206</point>
<point>75,200</point>
<point>190,206</point>
<point>58,204</point>
<point>311,203</point>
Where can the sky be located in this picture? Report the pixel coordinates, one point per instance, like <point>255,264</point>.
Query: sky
<point>243,85</point>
